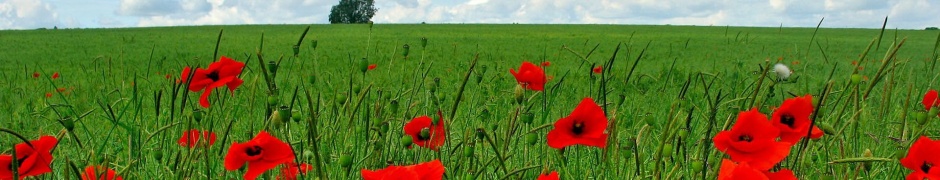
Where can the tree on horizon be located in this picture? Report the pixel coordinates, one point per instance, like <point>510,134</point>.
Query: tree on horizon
<point>353,12</point>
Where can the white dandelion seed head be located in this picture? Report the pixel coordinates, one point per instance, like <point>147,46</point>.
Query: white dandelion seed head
<point>783,72</point>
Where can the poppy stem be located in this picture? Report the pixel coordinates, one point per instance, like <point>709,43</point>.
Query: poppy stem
<point>499,156</point>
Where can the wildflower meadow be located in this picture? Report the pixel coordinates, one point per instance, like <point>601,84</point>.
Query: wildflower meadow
<point>418,101</point>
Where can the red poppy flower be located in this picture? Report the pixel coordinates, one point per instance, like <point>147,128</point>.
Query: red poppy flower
<point>372,66</point>
<point>221,73</point>
<point>792,119</point>
<point>923,159</point>
<point>550,176</point>
<point>262,153</point>
<point>167,76</point>
<point>35,74</point>
<point>930,100</point>
<point>598,69</point>
<point>54,75</point>
<point>586,125</point>
<point>31,160</point>
<point>291,170</point>
<point>93,172</point>
<point>734,171</point>
<point>433,170</point>
<point>192,138</point>
<point>546,64</point>
<point>783,174</point>
<point>48,95</point>
<point>425,133</point>
<point>530,76</point>
<point>752,140</point>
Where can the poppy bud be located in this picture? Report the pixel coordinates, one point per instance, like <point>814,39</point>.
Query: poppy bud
<point>393,106</point>
<point>284,114</point>
<point>856,78</point>
<point>921,117</point>
<point>272,101</point>
<point>356,89</point>
<point>384,127</point>
<point>406,141</point>
<point>363,65</point>
<point>667,149</point>
<point>435,120</point>
<point>899,153</point>
<point>370,24</point>
<point>933,112</point>
<point>313,79</point>
<point>341,99</point>
<point>313,44</point>
<point>467,150</point>
<point>485,114</point>
<point>481,133</point>
<point>296,50</point>
<point>867,165</point>
<point>68,123</point>
<point>518,94</point>
<point>437,82</point>
<point>531,139</point>
<point>527,117</point>
<point>697,165</point>
<point>479,78</point>
<point>197,115</point>
<point>424,42</point>
<point>826,128</point>
<point>308,154</point>
<point>683,133</point>
<point>425,133</point>
<point>295,115</point>
<point>404,51</point>
<point>345,161</point>
<point>272,67</point>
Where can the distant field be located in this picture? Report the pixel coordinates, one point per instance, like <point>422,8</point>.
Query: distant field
<point>116,81</point>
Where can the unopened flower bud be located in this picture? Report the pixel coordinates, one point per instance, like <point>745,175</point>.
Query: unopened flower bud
<point>393,106</point>
<point>198,115</point>
<point>272,67</point>
<point>363,65</point>
<point>527,117</point>
<point>826,128</point>
<point>406,141</point>
<point>296,50</point>
<point>856,78</point>
<point>424,42</point>
<point>518,94</point>
<point>404,51</point>
<point>345,161</point>
<point>467,150</point>
<point>867,165</point>
<point>531,139</point>
<point>68,123</point>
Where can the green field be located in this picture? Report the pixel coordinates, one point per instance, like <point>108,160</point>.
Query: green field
<point>128,116</point>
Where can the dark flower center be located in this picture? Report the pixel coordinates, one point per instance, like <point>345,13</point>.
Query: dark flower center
<point>253,151</point>
<point>926,167</point>
<point>577,128</point>
<point>787,119</point>
<point>745,138</point>
<point>425,134</point>
<point>214,75</point>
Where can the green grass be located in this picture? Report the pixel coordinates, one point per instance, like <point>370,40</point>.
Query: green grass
<point>116,75</point>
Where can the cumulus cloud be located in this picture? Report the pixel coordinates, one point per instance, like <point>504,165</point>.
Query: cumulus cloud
<point>26,14</point>
<point>202,12</point>
<point>801,13</point>
<point>911,14</point>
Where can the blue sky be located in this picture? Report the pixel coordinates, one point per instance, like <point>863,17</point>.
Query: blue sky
<point>903,14</point>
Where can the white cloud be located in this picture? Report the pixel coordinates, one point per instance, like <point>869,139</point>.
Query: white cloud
<point>26,14</point>
<point>148,7</point>
<point>203,12</point>
<point>914,14</point>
